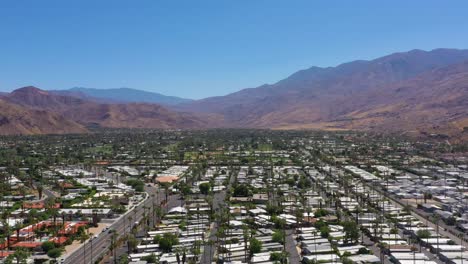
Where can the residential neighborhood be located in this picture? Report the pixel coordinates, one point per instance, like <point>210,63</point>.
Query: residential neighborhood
<point>212,197</point>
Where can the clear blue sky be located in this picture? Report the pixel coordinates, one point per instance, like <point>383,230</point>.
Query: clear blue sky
<point>198,48</point>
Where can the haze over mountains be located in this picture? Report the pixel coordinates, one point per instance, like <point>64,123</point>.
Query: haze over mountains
<point>122,95</point>
<point>398,92</point>
<point>416,92</point>
<point>82,114</point>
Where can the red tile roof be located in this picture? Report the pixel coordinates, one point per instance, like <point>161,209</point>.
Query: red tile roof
<point>27,244</point>
<point>168,179</point>
<point>37,205</point>
<point>59,240</point>
<point>4,254</point>
<point>4,245</point>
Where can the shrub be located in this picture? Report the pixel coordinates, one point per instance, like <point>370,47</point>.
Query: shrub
<point>205,188</point>
<point>167,242</point>
<point>255,246</point>
<point>278,237</point>
<point>46,246</point>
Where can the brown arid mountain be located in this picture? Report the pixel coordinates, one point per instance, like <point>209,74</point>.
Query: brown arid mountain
<point>16,120</point>
<point>138,116</point>
<point>432,102</point>
<point>416,91</point>
<point>31,101</point>
<point>35,98</point>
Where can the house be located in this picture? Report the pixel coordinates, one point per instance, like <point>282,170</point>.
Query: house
<point>38,205</point>
<point>260,198</point>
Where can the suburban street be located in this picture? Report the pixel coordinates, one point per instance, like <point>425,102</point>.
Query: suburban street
<point>291,248</point>
<point>210,248</point>
<point>173,201</point>
<point>100,244</point>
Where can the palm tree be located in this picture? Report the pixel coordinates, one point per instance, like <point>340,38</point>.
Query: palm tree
<point>40,189</point>
<point>245,232</point>
<point>394,231</point>
<point>209,201</point>
<point>20,255</point>
<point>211,243</point>
<point>153,208</point>
<point>177,251</point>
<point>2,243</point>
<point>17,228</point>
<point>159,215</point>
<point>6,232</point>
<point>114,237</point>
<point>358,210</point>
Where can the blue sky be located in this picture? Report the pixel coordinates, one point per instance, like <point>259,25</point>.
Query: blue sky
<point>203,48</point>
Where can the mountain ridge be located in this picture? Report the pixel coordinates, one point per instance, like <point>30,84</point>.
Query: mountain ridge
<point>122,95</point>
<point>89,113</point>
<point>420,92</point>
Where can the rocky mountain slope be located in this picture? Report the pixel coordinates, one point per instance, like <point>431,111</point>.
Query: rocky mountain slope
<point>416,92</point>
<point>29,102</point>
<point>357,95</point>
<point>15,120</point>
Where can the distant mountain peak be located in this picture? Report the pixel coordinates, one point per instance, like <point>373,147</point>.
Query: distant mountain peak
<point>125,95</point>
<point>418,90</point>
<point>30,89</point>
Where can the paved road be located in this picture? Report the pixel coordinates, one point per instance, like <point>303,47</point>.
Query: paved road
<point>366,240</point>
<point>397,203</point>
<point>209,249</point>
<point>291,248</point>
<point>173,201</point>
<point>448,231</point>
<point>49,193</point>
<point>98,246</point>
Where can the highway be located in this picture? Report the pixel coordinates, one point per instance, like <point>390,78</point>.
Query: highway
<point>99,245</point>
<point>173,201</point>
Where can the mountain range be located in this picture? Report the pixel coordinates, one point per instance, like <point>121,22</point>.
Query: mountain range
<point>122,95</point>
<point>81,114</point>
<point>416,92</point>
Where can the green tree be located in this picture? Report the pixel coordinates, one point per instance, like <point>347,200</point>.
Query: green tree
<point>132,243</point>
<point>422,234</point>
<point>19,256</point>
<point>363,251</point>
<point>278,237</point>
<point>205,188</point>
<point>241,190</point>
<point>451,221</point>
<point>321,212</point>
<point>54,253</point>
<point>279,257</point>
<point>347,261</point>
<point>123,259</point>
<point>351,231</point>
<point>150,259</point>
<point>167,242</point>
<point>48,245</point>
<point>255,246</point>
